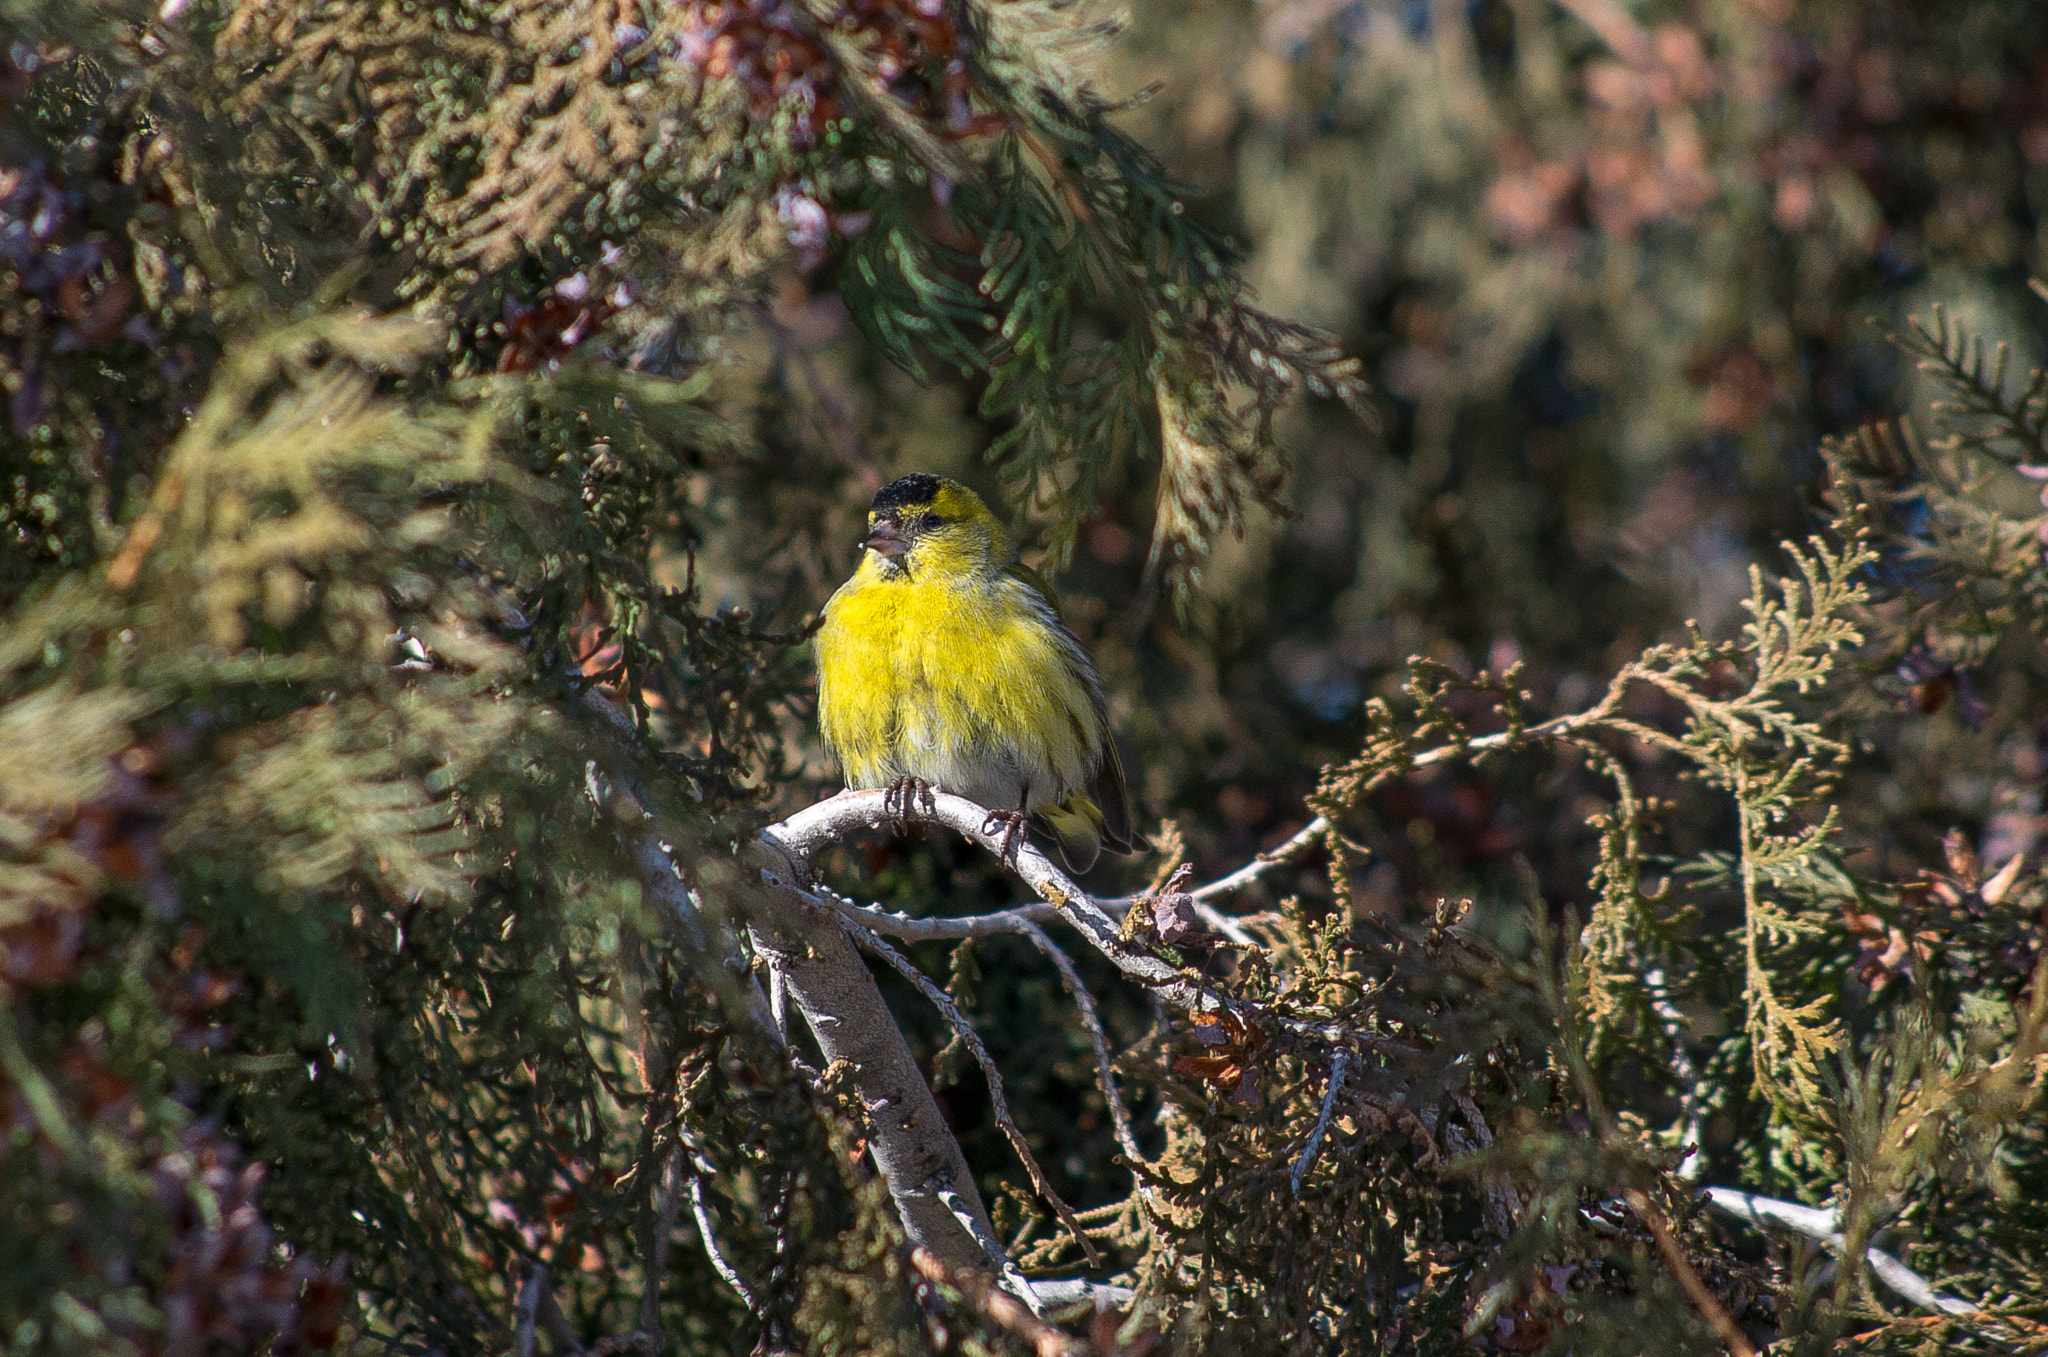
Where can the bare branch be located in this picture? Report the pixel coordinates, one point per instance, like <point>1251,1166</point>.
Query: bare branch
<point>798,837</point>
<point>800,938</point>
<point>1316,831</point>
<point>957,1020</point>
<point>804,939</point>
<point>1002,1310</point>
<point>1305,838</point>
<point>917,1155</point>
<point>1023,922</point>
<point>1061,1291</point>
<point>913,929</point>
<point>1824,1224</point>
<point>1013,1276</point>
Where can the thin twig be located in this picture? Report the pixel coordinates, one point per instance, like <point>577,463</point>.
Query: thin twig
<point>1305,838</point>
<point>941,928</point>
<point>1824,1224</point>
<point>1736,1341</point>
<point>708,1237</point>
<point>1338,1066</point>
<point>1105,1070</point>
<point>957,1020</point>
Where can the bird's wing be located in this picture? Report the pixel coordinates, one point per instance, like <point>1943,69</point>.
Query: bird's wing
<point>1110,792</point>
<point>1113,799</point>
<point>1017,570</point>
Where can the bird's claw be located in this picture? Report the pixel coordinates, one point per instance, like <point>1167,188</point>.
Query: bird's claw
<point>1011,822</point>
<point>906,795</point>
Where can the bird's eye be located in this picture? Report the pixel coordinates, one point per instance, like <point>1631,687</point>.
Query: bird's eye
<point>929,521</point>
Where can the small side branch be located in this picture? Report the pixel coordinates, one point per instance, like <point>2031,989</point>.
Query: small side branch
<point>701,1213</point>
<point>1339,1066</point>
<point>1105,1068</point>
<point>1305,838</point>
<point>1825,1226</point>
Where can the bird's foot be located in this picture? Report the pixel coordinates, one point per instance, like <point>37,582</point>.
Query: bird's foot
<point>1011,822</point>
<point>905,796</point>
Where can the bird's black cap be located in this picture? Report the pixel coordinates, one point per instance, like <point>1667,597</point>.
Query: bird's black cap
<point>920,488</point>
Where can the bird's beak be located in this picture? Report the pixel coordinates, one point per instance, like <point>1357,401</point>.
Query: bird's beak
<point>886,539</point>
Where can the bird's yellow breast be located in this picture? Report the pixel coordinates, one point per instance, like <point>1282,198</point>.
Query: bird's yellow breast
<point>972,685</point>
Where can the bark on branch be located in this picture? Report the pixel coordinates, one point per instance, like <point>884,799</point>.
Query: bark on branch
<point>912,1146</point>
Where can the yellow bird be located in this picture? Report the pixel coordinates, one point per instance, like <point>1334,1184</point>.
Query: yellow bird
<point>944,663</point>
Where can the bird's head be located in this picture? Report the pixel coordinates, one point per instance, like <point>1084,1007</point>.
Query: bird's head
<point>928,527</point>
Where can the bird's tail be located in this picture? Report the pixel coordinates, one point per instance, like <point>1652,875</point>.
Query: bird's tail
<point>1082,831</point>
<point>1076,826</point>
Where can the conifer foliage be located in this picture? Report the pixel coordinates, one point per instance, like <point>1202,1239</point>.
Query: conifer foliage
<point>431,430</point>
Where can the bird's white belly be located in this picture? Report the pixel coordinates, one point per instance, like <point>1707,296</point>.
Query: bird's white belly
<point>984,772</point>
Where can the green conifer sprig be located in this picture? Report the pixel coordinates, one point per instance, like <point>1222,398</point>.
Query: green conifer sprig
<point>1982,414</point>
